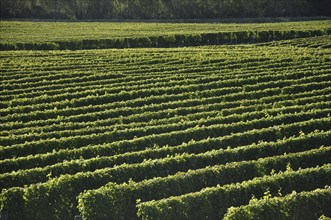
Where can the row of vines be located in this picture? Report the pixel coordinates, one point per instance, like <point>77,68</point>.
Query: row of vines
<point>181,133</point>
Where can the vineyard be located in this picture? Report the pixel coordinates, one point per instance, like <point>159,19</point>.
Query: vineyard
<point>234,131</point>
<point>102,35</point>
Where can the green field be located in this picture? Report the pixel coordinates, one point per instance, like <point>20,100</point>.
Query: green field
<point>96,35</point>
<point>217,131</point>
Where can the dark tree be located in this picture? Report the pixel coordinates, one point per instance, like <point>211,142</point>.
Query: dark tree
<point>162,9</point>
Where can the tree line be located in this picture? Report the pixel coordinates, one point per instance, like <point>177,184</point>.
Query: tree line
<point>162,9</point>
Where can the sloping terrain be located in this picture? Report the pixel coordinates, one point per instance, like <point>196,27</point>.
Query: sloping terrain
<point>167,133</point>
<point>18,35</point>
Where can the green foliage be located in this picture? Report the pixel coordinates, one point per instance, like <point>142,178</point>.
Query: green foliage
<point>303,205</point>
<point>169,132</point>
<point>23,177</point>
<point>77,36</point>
<point>213,202</point>
<point>121,198</point>
<point>12,203</point>
<point>162,9</point>
<point>323,217</point>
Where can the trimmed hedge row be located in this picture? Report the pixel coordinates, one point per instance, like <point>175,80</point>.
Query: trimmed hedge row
<point>213,203</point>
<point>124,132</point>
<point>169,117</point>
<point>295,206</point>
<point>171,138</point>
<point>251,83</point>
<point>58,195</point>
<point>56,84</point>
<point>233,140</point>
<point>117,109</point>
<point>64,201</point>
<point>181,107</point>
<point>204,156</point>
<point>168,41</point>
<point>119,201</point>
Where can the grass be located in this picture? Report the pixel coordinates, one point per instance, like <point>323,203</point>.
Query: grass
<point>40,32</point>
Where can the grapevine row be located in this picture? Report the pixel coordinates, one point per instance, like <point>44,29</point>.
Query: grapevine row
<point>213,203</point>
